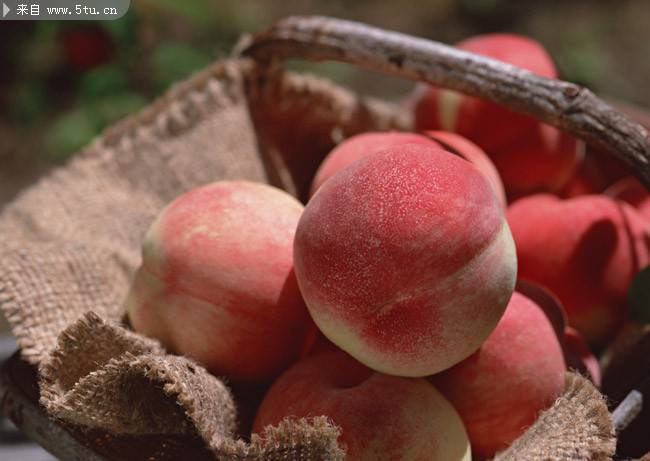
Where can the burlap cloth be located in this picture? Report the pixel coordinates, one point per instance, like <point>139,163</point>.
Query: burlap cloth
<point>71,243</point>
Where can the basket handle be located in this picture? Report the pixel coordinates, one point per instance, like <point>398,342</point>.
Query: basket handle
<point>567,106</point>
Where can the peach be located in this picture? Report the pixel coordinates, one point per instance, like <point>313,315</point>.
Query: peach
<point>586,251</point>
<point>359,146</point>
<point>459,145</point>
<point>381,417</point>
<point>405,260</point>
<point>518,372</point>
<point>631,191</point>
<point>529,155</point>
<point>217,282</point>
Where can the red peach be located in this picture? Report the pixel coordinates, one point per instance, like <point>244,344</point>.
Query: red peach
<point>459,145</point>
<point>360,146</point>
<point>405,260</point>
<point>518,372</point>
<point>381,417</point>
<point>631,191</point>
<point>586,251</point>
<point>529,155</point>
<point>217,282</point>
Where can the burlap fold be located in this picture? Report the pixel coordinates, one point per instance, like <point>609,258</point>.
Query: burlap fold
<point>71,243</point>
<point>577,426</point>
<point>44,287</point>
<point>104,377</point>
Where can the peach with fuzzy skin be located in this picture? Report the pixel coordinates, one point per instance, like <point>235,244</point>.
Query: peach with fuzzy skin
<point>381,417</point>
<point>529,155</point>
<point>360,146</point>
<point>459,145</point>
<point>518,372</point>
<point>217,281</point>
<point>405,260</point>
<point>585,250</point>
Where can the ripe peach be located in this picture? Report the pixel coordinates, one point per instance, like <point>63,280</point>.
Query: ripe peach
<point>381,417</point>
<point>459,145</point>
<point>586,251</point>
<point>500,389</point>
<point>631,191</point>
<point>405,260</point>
<point>529,155</point>
<point>217,281</point>
<point>359,146</point>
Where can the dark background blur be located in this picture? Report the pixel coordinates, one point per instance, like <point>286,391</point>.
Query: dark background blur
<point>62,82</point>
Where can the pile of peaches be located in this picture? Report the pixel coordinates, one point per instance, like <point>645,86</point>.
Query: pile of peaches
<point>430,295</point>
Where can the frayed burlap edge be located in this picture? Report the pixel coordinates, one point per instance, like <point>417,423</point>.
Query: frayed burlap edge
<point>309,439</point>
<point>106,377</point>
<point>102,376</point>
<point>577,426</point>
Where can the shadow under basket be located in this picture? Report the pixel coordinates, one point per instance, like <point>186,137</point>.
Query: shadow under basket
<point>86,387</point>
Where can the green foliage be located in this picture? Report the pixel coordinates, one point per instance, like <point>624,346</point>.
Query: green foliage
<point>40,55</point>
<point>639,297</point>
<point>102,81</point>
<point>70,132</point>
<point>581,59</point>
<point>174,61</point>
<point>76,128</point>
<point>123,30</point>
<point>199,12</point>
<point>115,106</point>
<point>29,102</point>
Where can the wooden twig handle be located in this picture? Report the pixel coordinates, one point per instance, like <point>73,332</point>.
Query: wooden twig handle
<point>567,106</point>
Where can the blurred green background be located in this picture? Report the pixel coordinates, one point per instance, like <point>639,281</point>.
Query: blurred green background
<point>63,82</point>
